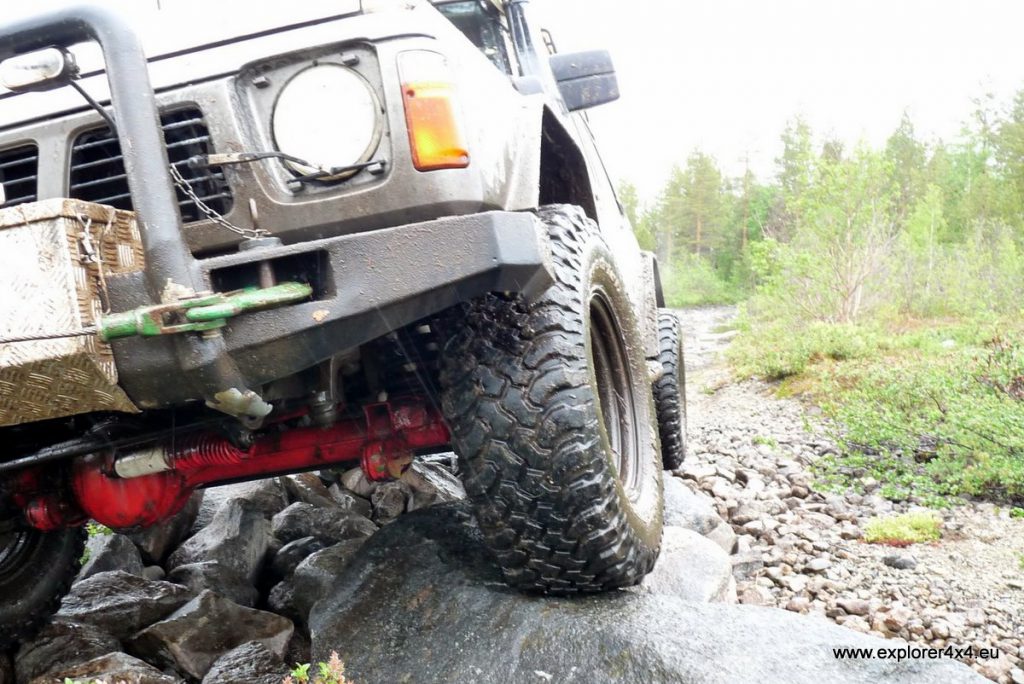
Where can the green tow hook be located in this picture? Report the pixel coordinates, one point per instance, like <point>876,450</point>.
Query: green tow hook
<point>199,314</point>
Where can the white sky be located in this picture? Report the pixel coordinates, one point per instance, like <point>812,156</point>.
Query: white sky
<point>726,75</point>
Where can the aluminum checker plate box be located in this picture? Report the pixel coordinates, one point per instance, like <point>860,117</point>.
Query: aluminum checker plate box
<point>55,257</point>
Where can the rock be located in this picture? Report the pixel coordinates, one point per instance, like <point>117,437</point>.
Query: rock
<point>291,554</point>
<point>6,669</point>
<point>689,509</point>
<point>153,573</point>
<point>692,568</point>
<point>61,645</point>
<point>854,606</point>
<point>252,663</point>
<point>351,501</point>
<point>996,669</point>
<point>431,483</point>
<point>121,603</point>
<point>976,617</point>
<point>115,668</point>
<point>427,579</point>
<point>307,488</point>
<point>355,481</point>
<point>108,552</point>
<point>192,638</point>
<point>266,496</point>
<point>238,537</point>
<point>724,536</point>
<point>756,595</point>
<point>217,577</point>
<point>318,573</point>
<point>818,565</point>
<point>389,500</point>
<point>746,565</point>
<point>900,561</point>
<point>329,525</point>
<point>1017,675</point>
<point>159,540</point>
<point>795,583</point>
<point>799,604</point>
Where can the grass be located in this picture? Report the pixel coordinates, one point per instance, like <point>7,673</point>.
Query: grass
<point>933,410</point>
<point>902,530</point>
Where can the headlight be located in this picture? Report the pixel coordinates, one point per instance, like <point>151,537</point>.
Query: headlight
<point>327,115</point>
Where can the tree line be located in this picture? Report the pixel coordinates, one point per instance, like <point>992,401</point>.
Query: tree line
<point>915,228</point>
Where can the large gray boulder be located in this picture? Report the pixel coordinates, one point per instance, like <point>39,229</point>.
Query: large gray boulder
<point>691,567</point>
<point>61,645</point>
<point>693,510</point>
<point>121,603</point>
<point>109,552</point>
<point>423,603</point>
<point>216,577</point>
<point>330,525</point>
<point>252,663</point>
<point>194,637</point>
<point>238,538</point>
<point>267,496</point>
<point>113,667</point>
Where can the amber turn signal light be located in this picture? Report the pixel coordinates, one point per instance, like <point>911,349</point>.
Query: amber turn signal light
<point>435,134</point>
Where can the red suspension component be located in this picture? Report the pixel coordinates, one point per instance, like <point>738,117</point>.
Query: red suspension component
<point>145,487</point>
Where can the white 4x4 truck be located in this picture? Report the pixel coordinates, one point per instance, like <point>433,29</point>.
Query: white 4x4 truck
<point>343,233</point>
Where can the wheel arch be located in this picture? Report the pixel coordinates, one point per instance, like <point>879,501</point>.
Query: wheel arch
<point>564,177</point>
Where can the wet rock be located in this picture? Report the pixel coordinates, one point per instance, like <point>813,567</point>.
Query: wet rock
<point>692,568</point>
<point>238,537</point>
<point>389,500</point>
<point>355,481</point>
<point>746,565</point>
<point>329,525</point>
<point>308,488</point>
<point>61,645</point>
<point>428,574</point>
<point>350,501</point>
<point>316,575</point>
<point>252,663</point>
<point>818,565</point>
<point>689,509</point>
<point>159,540</point>
<point>724,536</point>
<point>291,554</point>
<point>121,603</point>
<point>154,573</point>
<point>900,561</point>
<point>115,668</point>
<point>217,577</point>
<point>266,496</point>
<point>108,552</point>
<point>192,638</point>
<point>431,483</point>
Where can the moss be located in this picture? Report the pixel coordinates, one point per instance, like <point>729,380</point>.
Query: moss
<point>900,530</point>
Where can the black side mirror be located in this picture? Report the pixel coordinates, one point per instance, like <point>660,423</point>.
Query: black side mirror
<point>585,79</point>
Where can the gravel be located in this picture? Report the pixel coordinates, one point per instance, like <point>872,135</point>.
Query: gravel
<point>752,453</point>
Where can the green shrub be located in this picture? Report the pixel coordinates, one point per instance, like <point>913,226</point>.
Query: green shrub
<point>909,528</point>
<point>691,280</point>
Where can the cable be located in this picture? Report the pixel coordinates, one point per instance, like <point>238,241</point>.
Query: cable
<point>84,332</point>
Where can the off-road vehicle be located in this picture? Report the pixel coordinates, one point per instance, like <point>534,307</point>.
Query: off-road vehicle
<point>244,244</point>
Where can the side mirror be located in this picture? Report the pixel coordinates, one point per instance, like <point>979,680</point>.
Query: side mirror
<point>585,79</point>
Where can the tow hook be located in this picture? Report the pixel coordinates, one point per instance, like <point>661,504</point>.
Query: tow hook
<point>198,314</point>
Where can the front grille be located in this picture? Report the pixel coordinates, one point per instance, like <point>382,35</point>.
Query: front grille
<point>98,175</point>
<point>19,168</point>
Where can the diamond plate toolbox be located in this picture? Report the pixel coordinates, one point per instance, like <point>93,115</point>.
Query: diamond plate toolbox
<point>55,257</point>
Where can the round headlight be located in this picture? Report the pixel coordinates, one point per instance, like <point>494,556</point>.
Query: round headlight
<point>327,115</point>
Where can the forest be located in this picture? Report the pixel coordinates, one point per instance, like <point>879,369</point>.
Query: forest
<point>884,284</point>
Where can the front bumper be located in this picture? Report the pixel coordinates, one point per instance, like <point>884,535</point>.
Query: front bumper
<point>371,283</point>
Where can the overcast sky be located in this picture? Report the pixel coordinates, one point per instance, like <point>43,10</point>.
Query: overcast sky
<point>726,75</point>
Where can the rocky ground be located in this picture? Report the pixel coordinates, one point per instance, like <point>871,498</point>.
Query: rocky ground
<point>394,577</point>
<point>800,549</point>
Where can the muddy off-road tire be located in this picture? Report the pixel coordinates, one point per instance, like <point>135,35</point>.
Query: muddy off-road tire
<point>670,391</point>
<point>553,421</point>
<point>36,571</point>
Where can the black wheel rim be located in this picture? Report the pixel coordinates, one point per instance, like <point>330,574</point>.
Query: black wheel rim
<point>615,393</point>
